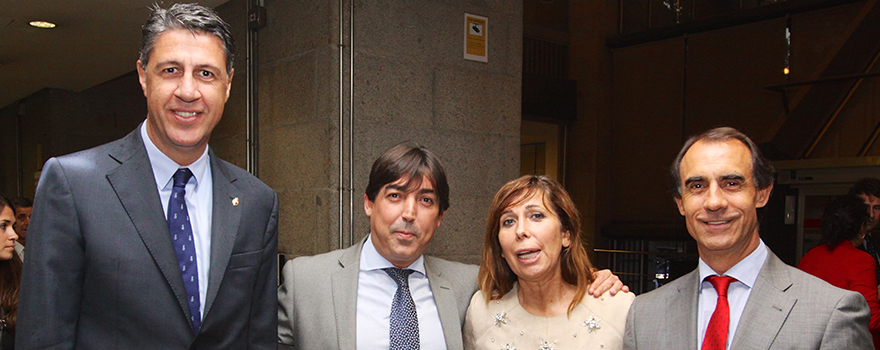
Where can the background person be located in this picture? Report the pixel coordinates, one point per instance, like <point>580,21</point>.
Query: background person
<point>868,189</point>
<point>838,261</point>
<point>534,277</point>
<point>23,208</point>
<point>10,274</point>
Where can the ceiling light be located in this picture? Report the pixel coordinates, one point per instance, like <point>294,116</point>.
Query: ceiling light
<point>42,24</point>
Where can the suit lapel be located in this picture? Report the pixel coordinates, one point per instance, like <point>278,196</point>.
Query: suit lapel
<point>133,183</point>
<point>444,297</point>
<point>225,221</point>
<point>344,283</point>
<point>768,306</point>
<point>681,323</point>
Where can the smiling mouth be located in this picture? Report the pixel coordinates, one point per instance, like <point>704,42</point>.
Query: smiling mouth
<point>186,114</point>
<point>717,222</point>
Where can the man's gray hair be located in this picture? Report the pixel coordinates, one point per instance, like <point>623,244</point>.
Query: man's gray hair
<point>192,17</point>
<point>762,170</point>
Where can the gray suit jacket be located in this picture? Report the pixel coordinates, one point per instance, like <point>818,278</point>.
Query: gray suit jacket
<point>787,309</point>
<point>316,301</point>
<point>102,273</point>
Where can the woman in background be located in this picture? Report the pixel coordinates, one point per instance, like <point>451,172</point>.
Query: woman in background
<point>838,261</point>
<point>534,277</point>
<point>10,274</point>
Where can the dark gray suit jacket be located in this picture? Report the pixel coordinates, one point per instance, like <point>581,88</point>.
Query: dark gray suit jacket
<point>102,272</point>
<point>316,302</point>
<point>787,309</point>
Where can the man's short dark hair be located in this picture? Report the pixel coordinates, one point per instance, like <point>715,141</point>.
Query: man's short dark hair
<point>762,170</point>
<point>21,202</point>
<point>192,17</point>
<point>411,161</point>
<point>868,186</point>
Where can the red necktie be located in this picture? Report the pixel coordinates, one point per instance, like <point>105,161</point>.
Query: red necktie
<point>716,332</point>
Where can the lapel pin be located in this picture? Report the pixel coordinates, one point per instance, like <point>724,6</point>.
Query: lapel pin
<point>235,202</point>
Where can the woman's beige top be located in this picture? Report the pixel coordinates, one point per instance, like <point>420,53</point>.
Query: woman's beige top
<point>597,323</point>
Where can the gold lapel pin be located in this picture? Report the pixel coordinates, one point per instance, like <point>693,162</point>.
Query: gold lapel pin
<point>235,202</point>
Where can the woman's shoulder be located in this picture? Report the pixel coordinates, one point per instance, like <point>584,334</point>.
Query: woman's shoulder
<point>480,304</point>
<point>606,312</point>
<point>848,251</point>
<point>609,303</point>
<point>485,318</point>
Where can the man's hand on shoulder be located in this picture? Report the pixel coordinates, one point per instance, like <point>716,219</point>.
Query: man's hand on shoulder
<point>605,281</point>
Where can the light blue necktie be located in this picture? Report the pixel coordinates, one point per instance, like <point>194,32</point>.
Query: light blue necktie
<point>404,319</point>
<point>184,246</point>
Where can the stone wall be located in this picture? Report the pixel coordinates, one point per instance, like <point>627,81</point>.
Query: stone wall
<point>410,82</point>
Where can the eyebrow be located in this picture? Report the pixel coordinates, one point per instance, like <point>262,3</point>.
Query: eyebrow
<point>404,189</point>
<point>180,64</point>
<point>691,180</point>
<point>733,177</point>
<point>529,207</point>
<point>168,63</point>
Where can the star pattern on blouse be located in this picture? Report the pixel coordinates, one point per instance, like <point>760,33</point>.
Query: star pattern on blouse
<point>592,324</point>
<point>546,346</point>
<point>508,347</point>
<point>500,318</point>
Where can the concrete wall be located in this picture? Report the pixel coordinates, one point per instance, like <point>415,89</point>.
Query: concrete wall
<point>410,83</point>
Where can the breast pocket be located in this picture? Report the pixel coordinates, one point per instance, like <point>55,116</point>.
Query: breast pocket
<point>240,260</point>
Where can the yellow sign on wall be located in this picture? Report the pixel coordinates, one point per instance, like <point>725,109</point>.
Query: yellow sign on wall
<point>476,39</point>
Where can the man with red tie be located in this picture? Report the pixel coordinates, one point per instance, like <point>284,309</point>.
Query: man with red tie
<point>741,296</point>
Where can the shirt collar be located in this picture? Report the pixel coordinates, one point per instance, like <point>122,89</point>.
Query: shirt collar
<point>372,260</point>
<point>745,271</point>
<point>164,167</point>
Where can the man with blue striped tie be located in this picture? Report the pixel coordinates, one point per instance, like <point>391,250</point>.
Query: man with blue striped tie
<point>151,241</point>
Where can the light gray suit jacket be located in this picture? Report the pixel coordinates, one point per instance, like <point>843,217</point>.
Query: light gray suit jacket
<point>101,270</point>
<point>787,309</point>
<point>316,302</point>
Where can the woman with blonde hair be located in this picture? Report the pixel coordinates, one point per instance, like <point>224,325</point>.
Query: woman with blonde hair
<point>535,274</point>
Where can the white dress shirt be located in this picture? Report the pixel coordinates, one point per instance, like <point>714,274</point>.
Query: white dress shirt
<point>19,249</point>
<point>374,296</point>
<point>199,203</point>
<point>746,272</point>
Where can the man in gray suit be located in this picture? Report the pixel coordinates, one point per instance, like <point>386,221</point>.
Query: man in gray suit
<point>720,179</point>
<point>105,270</point>
<point>344,299</point>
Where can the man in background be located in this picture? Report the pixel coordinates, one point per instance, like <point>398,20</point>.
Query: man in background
<point>868,189</point>
<point>23,208</point>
